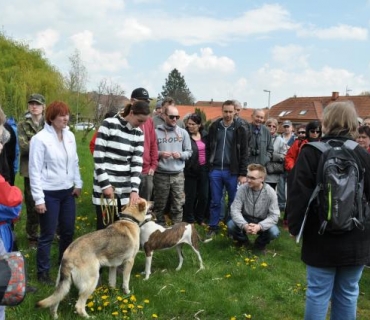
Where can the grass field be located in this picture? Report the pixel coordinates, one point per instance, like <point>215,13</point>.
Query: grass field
<point>235,284</point>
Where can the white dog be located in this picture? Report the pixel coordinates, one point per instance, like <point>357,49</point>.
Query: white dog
<point>155,237</point>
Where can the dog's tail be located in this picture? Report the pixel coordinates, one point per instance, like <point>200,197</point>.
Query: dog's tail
<point>196,235</point>
<point>64,282</point>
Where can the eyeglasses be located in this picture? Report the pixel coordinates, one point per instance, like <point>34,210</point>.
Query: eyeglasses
<point>271,126</point>
<point>315,131</point>
<point>172,117</point>
<point>253,178</point>
<point>301,132</point>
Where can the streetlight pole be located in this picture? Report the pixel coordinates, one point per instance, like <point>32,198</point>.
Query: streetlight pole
<point>268,104</point>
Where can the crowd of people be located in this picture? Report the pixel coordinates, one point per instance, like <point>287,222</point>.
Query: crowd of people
<point>238,172</point>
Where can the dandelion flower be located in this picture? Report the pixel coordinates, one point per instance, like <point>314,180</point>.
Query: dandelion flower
<point>228,276</point>
<point>104,297</point>
<point>264,264</point>
<point>119,298</point>
<point>146,301</point>
<point>139,306</point>
<point>133,298</point>
<point>248,316</point>
<point>90,304</point>
<point>154,315</point>
<point>182,290</point>
<point>233,318</point>
<point>115,313</point>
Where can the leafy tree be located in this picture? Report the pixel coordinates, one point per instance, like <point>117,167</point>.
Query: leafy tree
<point>24,71</point>
<point>176,88</point>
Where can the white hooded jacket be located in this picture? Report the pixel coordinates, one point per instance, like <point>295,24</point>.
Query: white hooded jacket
<point>49,169</point>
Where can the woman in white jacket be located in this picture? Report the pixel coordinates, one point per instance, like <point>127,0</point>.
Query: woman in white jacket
<point>55,182</point>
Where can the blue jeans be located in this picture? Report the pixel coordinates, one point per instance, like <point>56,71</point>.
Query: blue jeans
<point>339,284</point>
<point>60,212</point>
<point>281,191</point>
<point>263,239</point>
<point>218,179</point>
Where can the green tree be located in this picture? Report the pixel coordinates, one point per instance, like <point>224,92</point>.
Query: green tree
<point>24,71</point>
<point>177,88</point>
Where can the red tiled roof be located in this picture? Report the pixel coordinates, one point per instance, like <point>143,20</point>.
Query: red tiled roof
<point>212,112</point>
<point>305,109</point>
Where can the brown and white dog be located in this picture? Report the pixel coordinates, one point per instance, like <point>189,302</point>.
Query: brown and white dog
<point>112,246</point>
<point>156,237</point>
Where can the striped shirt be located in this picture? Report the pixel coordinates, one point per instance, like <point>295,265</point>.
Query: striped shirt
<point>118,159</point>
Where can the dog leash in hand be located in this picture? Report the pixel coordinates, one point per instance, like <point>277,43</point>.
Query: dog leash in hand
<point>109,208</point>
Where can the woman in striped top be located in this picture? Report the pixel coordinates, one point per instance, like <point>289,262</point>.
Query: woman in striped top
<point>118,160</point>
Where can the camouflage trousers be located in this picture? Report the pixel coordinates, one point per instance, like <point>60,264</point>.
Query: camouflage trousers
<point>32,222</point>
<point>168,188</point>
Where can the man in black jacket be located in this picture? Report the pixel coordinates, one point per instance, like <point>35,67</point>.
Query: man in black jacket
<point>227,158</point>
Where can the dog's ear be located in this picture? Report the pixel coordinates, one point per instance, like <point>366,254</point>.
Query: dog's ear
<point>142,204</point>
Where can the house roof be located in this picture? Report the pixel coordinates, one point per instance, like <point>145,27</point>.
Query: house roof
<point>306,109</point>
<point>212,112</point>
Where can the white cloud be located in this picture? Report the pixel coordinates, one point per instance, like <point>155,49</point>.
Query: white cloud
<point>291,56</point>
<point>340,32</point>
<point>206,61</point>
<point>46,40</point>
<point>191,30</point>
<point>97,60</point>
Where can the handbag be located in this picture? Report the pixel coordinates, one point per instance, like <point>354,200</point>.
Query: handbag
<point>275,167</point>
<point>12,279</point>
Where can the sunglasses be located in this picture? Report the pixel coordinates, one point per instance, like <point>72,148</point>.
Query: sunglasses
<point>315,131</point>
<point>172,117</point>
<point>301,132</point>
<point>271,126</point>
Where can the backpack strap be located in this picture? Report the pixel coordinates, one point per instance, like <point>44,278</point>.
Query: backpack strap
<point>350,144</point>
<point>321,146</point>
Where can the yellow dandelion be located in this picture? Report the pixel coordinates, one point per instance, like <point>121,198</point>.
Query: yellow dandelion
<point>131,306</point>
<point>125,301</point>
<point>154,315</point>
<point>86,193</point>
<point>264,264</point>
<point>252,260</point>
<point>233,318</point>
<point>248,316</point>
<point>92,309</point>
<point>138,275</point>
<point>90,304</point>
<point>100,308</point>
<point>26,255</point>
<point>298,284</point>
<point>106,303</point>
<point>182,290</point>
<point>104,297</point>
<point>139,306</point>
<point>133,298</point>
<point>115,313</point>
<point>228,276</point>
<point>124,311</point>
<point>146,301</point>
<point>119,298</point>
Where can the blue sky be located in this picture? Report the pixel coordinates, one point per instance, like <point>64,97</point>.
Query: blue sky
<point>225,49</point>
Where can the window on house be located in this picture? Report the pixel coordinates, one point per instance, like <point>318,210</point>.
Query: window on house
<point>303,112</point>
<point>281,114</point>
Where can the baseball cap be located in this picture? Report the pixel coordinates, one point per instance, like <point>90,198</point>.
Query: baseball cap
<point>287,123</point>
<point>140,94</point>
<point>35,97</point>
<point>159,104</point>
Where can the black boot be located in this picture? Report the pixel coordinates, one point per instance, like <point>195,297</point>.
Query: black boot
<point>44,278</point>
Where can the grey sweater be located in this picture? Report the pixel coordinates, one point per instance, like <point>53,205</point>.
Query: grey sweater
<point>251,206</point>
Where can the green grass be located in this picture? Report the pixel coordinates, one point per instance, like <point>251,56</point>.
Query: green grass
<point>234,285</point>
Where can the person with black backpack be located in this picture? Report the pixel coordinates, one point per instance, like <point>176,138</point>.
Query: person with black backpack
<point>335,233</point>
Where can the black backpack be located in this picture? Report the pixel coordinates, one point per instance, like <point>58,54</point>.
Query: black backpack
<point>339,193</point>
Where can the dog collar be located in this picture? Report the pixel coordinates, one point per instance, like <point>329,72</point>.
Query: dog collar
<point>123,216</point>
<point>145,221</point>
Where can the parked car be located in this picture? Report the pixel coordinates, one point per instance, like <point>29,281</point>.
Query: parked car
<point>84,126</point>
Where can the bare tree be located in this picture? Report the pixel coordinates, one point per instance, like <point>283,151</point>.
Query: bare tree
<point>76,80</point>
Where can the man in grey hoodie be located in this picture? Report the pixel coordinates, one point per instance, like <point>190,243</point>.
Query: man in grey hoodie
<point>174,147</point>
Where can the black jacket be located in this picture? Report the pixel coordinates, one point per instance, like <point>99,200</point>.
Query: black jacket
<point>192,167</point>
<point>327,250</point>
<point>238,157</point>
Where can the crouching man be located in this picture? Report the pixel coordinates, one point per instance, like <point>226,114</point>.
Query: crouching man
<point>254,211</point>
